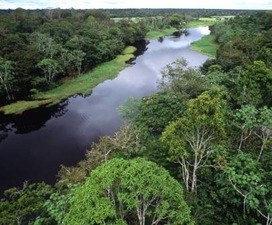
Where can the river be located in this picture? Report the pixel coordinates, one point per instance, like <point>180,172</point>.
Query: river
<point>34,144</point>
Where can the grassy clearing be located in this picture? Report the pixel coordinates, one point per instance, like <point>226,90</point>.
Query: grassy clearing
<point>205,45</point>
<point>158,33</point>
<point>134,19</point>
<point>202,22</point>
<point>83,84</point>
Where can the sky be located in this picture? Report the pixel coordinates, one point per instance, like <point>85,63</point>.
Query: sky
<point>94,4</point>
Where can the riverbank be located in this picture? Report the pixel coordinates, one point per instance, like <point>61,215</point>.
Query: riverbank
<point>206,45</point>
<point>160,33</point>
<point>201,22</point>
<point>83,84</point>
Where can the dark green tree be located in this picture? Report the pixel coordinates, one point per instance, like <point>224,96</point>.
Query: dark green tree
<point>22,206</point>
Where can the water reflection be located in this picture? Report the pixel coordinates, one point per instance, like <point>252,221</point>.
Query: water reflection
<point>36,143</point>
<point>29,121</point>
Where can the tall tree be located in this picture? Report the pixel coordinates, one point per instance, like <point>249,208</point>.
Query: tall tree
<point>50,68</point>
<point>45,44</point>
<point>78,57</point>
<point>7,72</point>
<point>195,140</point>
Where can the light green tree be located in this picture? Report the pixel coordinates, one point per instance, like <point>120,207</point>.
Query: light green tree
<point>253,122</point>
<point>45,44</point>
<point>50,68</point>
<point>6,76</point>
<point>195,140</point>
<point>66,59</point>
<point>120,190</point>
<point>78,57</point>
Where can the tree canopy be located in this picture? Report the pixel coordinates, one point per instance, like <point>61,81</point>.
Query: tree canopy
<point>136,188</point>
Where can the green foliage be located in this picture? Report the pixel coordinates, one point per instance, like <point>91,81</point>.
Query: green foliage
<point>155,34</point>
<point>77,59</point>
<point>122,188</point>
<point>50,68</point>
<point>176,21</point>
<point>245,185</point>
<point>56,207</point>
<point>6,76</point>
<point>201,22</point>
<point>206,112</point>
<point>181,81</point>
<point>187,122</point>
<point>256,84</point>
<point>82,84</point>
<point>209,110</point>
<point>195,139</point>
<point>60,41</point>
<point>21,206</point>
<point>206,45</point>
<point>242,39</point>
<point>153,113</point>
<point>125,143</point>
<point>254,122</point>
<point>40,83</point>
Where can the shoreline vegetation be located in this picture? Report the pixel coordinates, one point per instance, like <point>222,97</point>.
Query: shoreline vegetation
<point>155,34</point>
<point>206,45</point>
<point>83,84</point>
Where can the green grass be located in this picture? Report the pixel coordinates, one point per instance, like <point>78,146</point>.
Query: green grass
<point>158,33</point>
<point>205,45</point>
<point>134,19</point>
<point>201,22</point>
<point>82,84</point>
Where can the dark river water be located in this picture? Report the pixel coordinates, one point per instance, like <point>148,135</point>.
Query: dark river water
<point>33,145</point>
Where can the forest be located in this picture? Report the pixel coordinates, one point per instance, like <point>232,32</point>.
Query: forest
<point>199,151</point>
<point>40,49</point>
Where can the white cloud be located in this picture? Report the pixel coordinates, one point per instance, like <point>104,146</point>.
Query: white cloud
<point>86,4</point>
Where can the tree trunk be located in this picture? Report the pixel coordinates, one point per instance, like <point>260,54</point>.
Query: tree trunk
<point>185,172</point>
<point>261,151</point>
<point>7,92</point>
<point>194,177</point>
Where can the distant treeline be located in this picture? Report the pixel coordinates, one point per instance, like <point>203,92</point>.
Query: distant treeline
<point>132,12</point>
<point>192,12</point>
